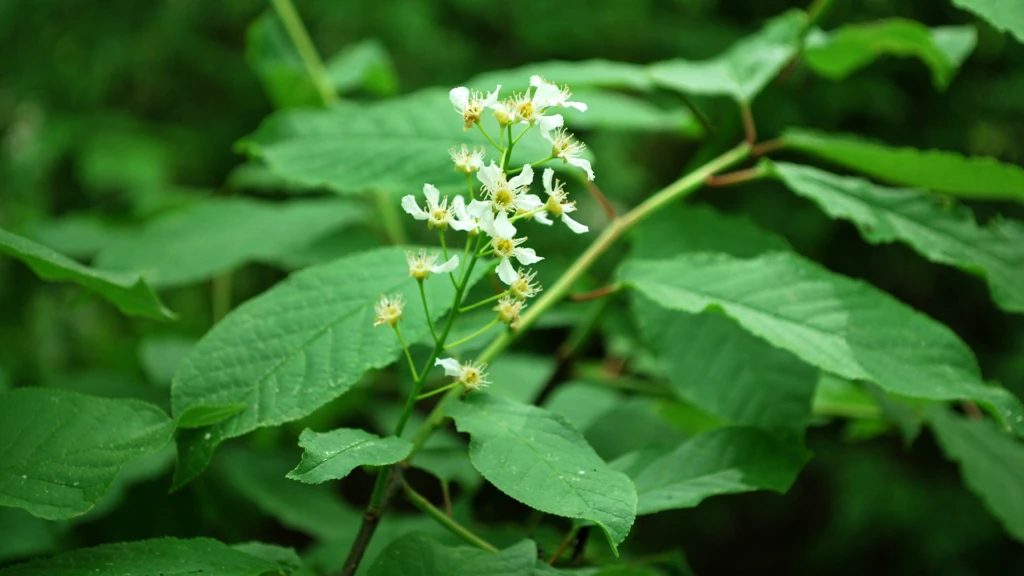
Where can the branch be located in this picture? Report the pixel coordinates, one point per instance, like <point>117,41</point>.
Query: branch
<point>371,519</point>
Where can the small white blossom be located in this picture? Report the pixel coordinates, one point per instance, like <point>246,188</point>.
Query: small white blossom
<point>507,195</point>
<point>437,214</point>
<point>389,310</point>
<point>523,286</point>
<point>471,104</point>
<point>504,111</point>
<point>531,110</point>
<point>558,204</point>
<point>508,309</point>
<point>472,375</point>
<point>465,220</point>
<point>548,94</point>
<point>506,245</point>
<point>570,151</point>
<point>467,161</point>
<point>421,265</point>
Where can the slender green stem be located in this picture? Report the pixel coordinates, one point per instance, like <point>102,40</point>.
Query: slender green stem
<point>437,391</point>
<point>390,218</point>
<point>472,336</point>
<point>408,356</point>
<point>507,155</point>
<point>489,139</point>
<point>304,46</point>
<point>564,545</point>
<point>426,311</point>
<point>521,134</point>
<point>444,250</point>
<point>378,487</point>
<point>221,295</point>
<point>454,527</point>
<point>529,214</point>
<point>533,164</point>
<point>469,183</point>
<point>482,302</point>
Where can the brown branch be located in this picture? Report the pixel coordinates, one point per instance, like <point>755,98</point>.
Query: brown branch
<point>602,200</point>
<point>595,294</point>
<point>748,123</point>
<point>767,147</point>
<point>737,177</point>
<point>563,546</point>
<point>371,519</point>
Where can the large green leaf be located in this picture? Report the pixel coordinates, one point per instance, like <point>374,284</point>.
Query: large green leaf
<point>417,554</point>
<point>296,347</point>
<point>701,228</point>
<point>992,464</point>
<point>841,52</point>
<point>978,177</point>
<point>538,458</point>
<point>840,325</point>
<point>1007,15</point>
<point>272,56</point>
<point>724,461</point>
<point>608,110</point>
<point>333,455</point>
<point>128,291</point>
<point>61,450</point>
<point>743,70</point>
<point>164,556</point>
<point>947,235</point>
<point>580,74</point>
<point>364,64</point>
<point>217,235</point>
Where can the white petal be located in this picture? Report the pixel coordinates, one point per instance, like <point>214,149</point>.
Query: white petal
<point>487,223</point>
<point>527,256</point>
<point>503,227</point>
<point>506,272</point>
<point>548,123</point>
<point>542,217</point>
<point>547,95</point>
<point>574,225</point>
<point>409,205</point>
<point>549,174</point>
<point>459,207</point>
<point>477,208</point>
<point>492,97</point>
<point>448,266</point>
<point>489,175</point>
<point>582,163</point>
<point>451,366</point>
<point>536,80</point>
<point>528,202</point>
<point>459,97</point>
<point>462,225</point>
<point>432,194</point>
<point>577,105</point>
<point>524,178</point>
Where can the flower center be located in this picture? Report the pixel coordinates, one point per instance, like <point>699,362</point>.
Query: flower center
<point>503,198</point>
<point>439,215</point>
<point>471,377</point>
<point>503,248</point>
<point>554,204</point>
<point>526,110</point>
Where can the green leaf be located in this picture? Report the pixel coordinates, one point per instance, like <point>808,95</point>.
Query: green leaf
<point>296,347</point>
<point>1005,15</point>
<point>539,459</point>
<point>607,110</point>
<point>582,404</point>
<point>61,450</point>
<point>840,325</point>
<point>167,556</point>
<point>23,535</point>
<point>940,233</point>
<point>333,455</point>
<point>272,56</point>
<point>418,555</point>
<point>520,377</point>
<point>201,416</point>
<point>128,291</point>
<point>365,64</point>
<point>78,235</point>
<point>724,461</point>
<point>218,235</point>
<point>842,52</point>
<point>991,462</point>
<point>594,73</point>
<point>975,177</point>
<point>743,70</point>
<point>286,558</point>
<point>678,229</point>
<point>160,354</point>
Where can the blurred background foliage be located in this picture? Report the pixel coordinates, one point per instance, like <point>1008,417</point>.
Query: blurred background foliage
<point>114,113</point>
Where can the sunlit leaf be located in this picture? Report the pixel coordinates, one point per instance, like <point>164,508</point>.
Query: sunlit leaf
<point>333,455</point>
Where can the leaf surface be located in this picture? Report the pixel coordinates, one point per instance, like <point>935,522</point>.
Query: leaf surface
<point>1005,15</point>
<point>417,554</point>
<point>333,455</point>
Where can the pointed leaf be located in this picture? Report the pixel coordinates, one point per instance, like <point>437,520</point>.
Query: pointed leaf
<point>1006,15</point>
<point>974,177</point>
<point>417,554</point>
<point>837,324</point>
<point>939,233</point>
<point>539,459</point>
<point>332,455</point>
<point>61,450</point>
<point>128,291</point>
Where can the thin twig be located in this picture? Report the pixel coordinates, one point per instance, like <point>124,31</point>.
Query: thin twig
<point>563,546</point>
<point>602,200</point>
<point>748,123</point>
<point>419,501</point>
<point>767,147</point>
<point>595,294</point>
<point>737,177</point>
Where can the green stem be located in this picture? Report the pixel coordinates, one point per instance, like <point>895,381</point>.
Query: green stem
<point>489,139</point>
<point>469,183</point>
<point>408,356</point>
<point>454,527</point>
<point>304,46</point>
<point>533,164</point>
<point>437,391</point>
<point>482,302</point>
<point>521,134</point>
<point>472,336</point>
<point>507,155</point>
<point>390,219</point>
<point>426,311</point>
<point>221,294</point>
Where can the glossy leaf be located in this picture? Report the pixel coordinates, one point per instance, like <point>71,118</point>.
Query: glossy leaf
<point>539,459</point>
<point>218,235</point>
<point>417,554</point>
<point>839,325</point>
<point>1005,15</point>
<point>128,291</point>
<point>333,455</point>
<point>940,233</point>
<point>61,450</point>
<point>972,177</point>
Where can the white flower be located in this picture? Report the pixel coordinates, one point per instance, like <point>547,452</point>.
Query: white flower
<point>467,161</point>
<point>437,214</point>
<point>471,104</point>
<point>506,245</point>
<point>523,286</point>
<point>421,265</point>
<point>471,374</point>
<point>465,220</point>
<point>508,195</point>
<point>530,110</point>
<point>548,94</point>
<point>504,111</point>
<point>389,310</point>
<point>558,204</point>
<point>563,146</point>
<point>508,309</point>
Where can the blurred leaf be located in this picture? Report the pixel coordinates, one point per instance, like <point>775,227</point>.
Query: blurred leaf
<point>23,535</point>
<point>160,356</point>
<point>1005,15</point>
<point>843,51</point>
<point>61,450</point>
<point>128,291</point>
<point>582,404</point>
<point>79,235</point>
<point>270,54</point>
<point>840,397</point>
<point>284,557</point>
<point>608,110</point>
<point>520,377</point>
<point>538,458</point>
<point>333,455</point>
<point>127,159</point>
<point>419,555</point>
<point>594,73</point>
<point>201,416</point>
<point>743,70</point>
<point>449,465</point>
<point>365,64</point>
<point>973,177</point>
<point>832,322</point>
<point>991,462</point>
<point>940,233</point>
<point>647,425</point>
<point>218,235</point>
<point>159,556</point>
<point>290,350</point>
<point>701,228</point>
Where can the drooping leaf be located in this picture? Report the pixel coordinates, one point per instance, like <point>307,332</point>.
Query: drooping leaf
<point>332,455</point>
<point>61,450</point>
<point>128,291</point>
<point>723,461</point>
<point>418,555</point>
<point>1005,15</point>
<point>594,73</point>
<point>742,71</point>
<point>539,459</point>
<point>364,64</point>
<point>840,325</point>
<point>841,52</point>
<point>296,347</point>
<point>976,177</point>
<point>218,235</point>
<point>991,462</point>
<point>167,556</point>
<point>943,234</point>
<point>272,56</point>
